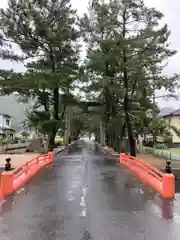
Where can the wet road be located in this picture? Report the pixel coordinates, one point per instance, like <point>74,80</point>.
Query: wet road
<point>83,197</point>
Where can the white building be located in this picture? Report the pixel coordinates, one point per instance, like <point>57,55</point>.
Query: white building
<point>5,126</point>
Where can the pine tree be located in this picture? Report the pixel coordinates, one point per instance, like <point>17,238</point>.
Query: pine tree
<point>127,52</point>
<point>47,34</point>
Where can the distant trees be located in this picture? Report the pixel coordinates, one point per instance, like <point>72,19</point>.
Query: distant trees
<point>25,135</point>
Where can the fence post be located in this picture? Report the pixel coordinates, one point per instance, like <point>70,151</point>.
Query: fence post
<point>168,185</point>
<point>170,156</point>
<point>168,168</point>
<point>8,164</point>
<point>7,183</point>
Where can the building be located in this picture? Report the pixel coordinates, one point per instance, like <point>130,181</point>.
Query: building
<point>172,117</point>
<point>6,130</point>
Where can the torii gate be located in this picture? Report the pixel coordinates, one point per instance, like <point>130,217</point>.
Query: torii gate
<point>84,106</point>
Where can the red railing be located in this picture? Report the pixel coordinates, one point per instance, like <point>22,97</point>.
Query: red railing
<point>13,180</point>
<point>162,182</point>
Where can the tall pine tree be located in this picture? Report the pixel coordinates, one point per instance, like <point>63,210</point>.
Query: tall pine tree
<point>127,52</point>
<point>47,34</point>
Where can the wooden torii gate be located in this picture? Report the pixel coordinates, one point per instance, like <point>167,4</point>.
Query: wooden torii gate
<point>85,107</point>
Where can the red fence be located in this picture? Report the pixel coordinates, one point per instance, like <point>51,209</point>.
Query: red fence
<point>162,182</point>
<point>11,181</point>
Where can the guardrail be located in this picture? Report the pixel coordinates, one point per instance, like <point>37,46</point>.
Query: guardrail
<point>13,180</point>
<point>163,183</point>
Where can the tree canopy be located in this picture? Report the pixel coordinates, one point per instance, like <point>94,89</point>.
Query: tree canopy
<point>47,35</point>
<point>127,51</point>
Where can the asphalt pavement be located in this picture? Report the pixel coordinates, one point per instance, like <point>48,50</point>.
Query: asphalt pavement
<point>83,196</point>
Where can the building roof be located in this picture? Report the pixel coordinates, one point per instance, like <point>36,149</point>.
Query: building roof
<point>5,115</point>
<point>5,128</point>
<point>165,112</point>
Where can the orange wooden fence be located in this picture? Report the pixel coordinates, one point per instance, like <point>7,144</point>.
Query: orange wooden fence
<point>163,183</point>
<point>13,180</point>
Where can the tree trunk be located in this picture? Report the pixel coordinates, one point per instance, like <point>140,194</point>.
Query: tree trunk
<point>102,133</point>
<point>122,134</point>
<point>51,143</point>
<point>55,103</point>
<point>127,110</point>
<point>56,118</point>
<point>118,143</point>
<point>131,139</point>
<point>127,107</point>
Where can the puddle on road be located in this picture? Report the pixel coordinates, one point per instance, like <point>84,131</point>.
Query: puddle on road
<point>70,196</point>
<point>78,184</point>
<point>83,202</point>
<point>75,183</point>
<point>6,205</point>
<point>20,190</point>
<point>86,235</point>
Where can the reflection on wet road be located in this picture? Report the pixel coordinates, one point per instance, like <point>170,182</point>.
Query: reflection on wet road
<point>83,197</point>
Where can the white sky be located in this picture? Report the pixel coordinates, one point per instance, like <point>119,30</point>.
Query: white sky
<point>170,9</point>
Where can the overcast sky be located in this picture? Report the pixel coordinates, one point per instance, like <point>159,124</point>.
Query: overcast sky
<point>170,10</point>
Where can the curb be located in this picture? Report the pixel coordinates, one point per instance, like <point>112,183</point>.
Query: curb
<point>108,154</point>
<point>56,151</point>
